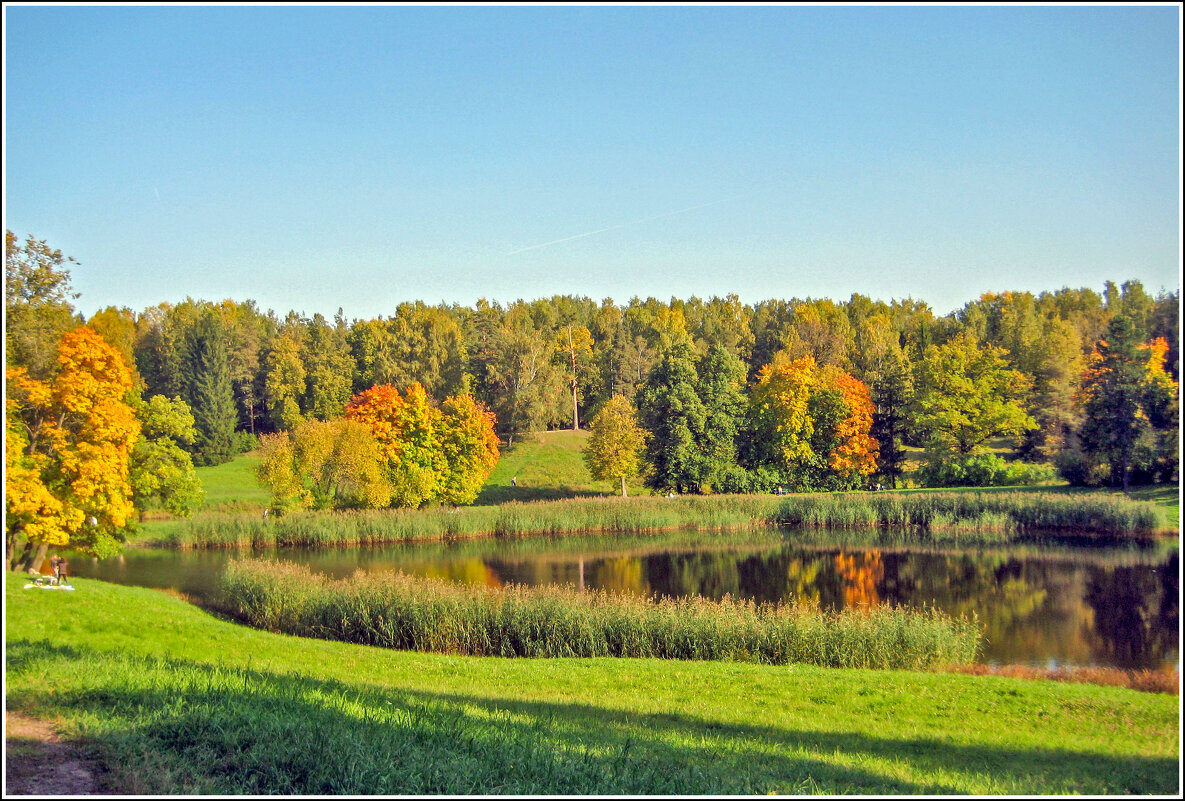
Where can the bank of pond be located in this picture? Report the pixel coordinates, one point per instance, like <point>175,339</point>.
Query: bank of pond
<point>928,517</point>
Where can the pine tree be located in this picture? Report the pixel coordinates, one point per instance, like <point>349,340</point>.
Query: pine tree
<point>209,392</point>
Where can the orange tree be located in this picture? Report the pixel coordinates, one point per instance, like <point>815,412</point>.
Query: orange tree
<point>810,425</point>
<point>68,452</point>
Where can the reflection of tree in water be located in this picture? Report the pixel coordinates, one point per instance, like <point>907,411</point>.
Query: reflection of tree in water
<point>711,575</point>
<point>860,574</point>
<point>466,571</point>
<point>621,575</point>
<point>1135,613</point>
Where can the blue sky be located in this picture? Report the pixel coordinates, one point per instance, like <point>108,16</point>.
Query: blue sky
<point>313,158</point>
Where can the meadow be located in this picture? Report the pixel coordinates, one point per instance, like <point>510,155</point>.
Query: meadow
<point>171,699</point>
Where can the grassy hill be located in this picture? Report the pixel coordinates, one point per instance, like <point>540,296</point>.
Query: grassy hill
<point>547,466</point>
<point>171,699</point>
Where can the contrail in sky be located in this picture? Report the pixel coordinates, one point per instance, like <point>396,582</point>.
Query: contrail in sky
<point>615,227</point>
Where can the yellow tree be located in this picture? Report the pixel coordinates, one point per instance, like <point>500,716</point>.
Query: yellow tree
<point>76,435</point>
<point>614,448</point>
<point>406,427</point>
<point>469,446</point>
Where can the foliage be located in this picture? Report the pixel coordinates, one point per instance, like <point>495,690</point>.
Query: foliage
<point>469,447</point>
<point>982,470</point>
<point>672,413</point>
<point>76,435</point>
<point>965,395</point>
<point>1130,404</point>
<point>37,310</point>
<point>161,470</point>
<point>615,446</point>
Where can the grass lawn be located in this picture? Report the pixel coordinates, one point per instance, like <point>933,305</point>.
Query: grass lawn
<point>173,700</point>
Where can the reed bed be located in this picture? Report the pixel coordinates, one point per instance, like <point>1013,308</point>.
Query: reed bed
<point>410,613</point>
<point>925,517</point>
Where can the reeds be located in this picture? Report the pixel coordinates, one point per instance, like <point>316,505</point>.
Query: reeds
<point>924,517</point>
<point>411,613</point>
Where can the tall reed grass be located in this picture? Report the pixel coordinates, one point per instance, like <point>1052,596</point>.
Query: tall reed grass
<point>411,613</point>
<point>927,517</point>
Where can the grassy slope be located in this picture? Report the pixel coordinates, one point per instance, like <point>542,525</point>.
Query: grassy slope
<point>548,465</point>
<point>177,701</point>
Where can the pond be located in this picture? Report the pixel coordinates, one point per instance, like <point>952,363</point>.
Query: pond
<point>1092,603</point>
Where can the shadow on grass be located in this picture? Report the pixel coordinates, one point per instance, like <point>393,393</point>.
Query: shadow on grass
<point>202,728</point>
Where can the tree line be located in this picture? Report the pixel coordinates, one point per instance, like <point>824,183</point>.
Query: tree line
<point>801,393</point>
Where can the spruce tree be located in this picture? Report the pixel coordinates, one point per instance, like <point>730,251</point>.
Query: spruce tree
<point>209,392</point>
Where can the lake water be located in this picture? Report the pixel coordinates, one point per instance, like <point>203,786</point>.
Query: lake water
<point>1086,604</point>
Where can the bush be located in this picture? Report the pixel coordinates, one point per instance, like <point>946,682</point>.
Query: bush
<point>981,470</point>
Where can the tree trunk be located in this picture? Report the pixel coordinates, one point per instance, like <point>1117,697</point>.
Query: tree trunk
<point>33,561</point>
<point>623,487</point>
<point>1125,492</point>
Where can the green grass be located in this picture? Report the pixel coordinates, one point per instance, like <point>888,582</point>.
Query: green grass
<point>411,613</point>
<point>547,465</point>
<point>173,700</point>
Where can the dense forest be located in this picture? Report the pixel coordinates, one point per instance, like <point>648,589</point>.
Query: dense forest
<point>802,394</point>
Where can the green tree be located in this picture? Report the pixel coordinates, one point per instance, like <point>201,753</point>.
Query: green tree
<point>673,415</point>
<point>616,443</point>
<point>722,388</point>
<point>965,394</point>
<point>208,391</point>
<point>162,472</point>
<point>37,310</point>
<point>328,368</point>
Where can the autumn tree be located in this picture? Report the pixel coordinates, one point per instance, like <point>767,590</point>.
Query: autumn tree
<point>576,345</point>
<point>616,443</point>
<point>1126,395</point>
<point>75,435</point>
<point>469,447</point>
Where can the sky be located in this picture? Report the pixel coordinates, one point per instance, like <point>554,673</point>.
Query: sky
<point>313,158</point>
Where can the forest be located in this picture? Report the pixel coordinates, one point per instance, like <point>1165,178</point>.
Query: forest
<point>716,395</point>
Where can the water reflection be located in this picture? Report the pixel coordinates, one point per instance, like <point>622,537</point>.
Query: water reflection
<point>1113,606</point>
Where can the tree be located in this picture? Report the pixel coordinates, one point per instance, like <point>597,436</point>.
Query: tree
<point>469,446</point>
<point>284,382</point>
<point>1124,391</point>
<point>208,391</point>
<point>405,427</point>
<point>779,420</point>
<point>616,443</point>
<point>722,388</point>
<point>76,434</point>
<point>673,415</point>
<point>162,471</point>
<point>37,310</point>
<point>328,369</point>
<point>965,395</point>
<point>576,344</point>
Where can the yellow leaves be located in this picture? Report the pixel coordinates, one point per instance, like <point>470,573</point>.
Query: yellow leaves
<point>81,436</point>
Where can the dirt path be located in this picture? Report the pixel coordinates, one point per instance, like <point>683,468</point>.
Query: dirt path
<point>37,762</point>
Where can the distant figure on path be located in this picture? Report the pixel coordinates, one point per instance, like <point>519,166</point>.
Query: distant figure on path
<point>514,481</point>
<point>55,563</point>
<point>265,511</point>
